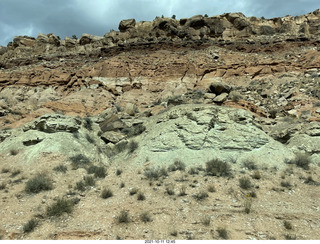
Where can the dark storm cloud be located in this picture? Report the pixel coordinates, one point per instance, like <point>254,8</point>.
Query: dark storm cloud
<point>69,17</point>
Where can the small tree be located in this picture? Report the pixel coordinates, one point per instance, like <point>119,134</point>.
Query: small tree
<point>174,16</point>
<point>74,37</point>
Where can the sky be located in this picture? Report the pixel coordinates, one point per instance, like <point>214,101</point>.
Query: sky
<point>97,17</point>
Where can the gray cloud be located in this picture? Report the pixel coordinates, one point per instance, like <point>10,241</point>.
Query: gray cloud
<point>66,18</point>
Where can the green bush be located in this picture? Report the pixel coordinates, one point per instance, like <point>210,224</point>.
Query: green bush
<point>250,165</point>
<point>30,226</point>
<point>80,186</point>
<point>245,183</point>
<point>41,182</point>
<point>89,180</point>
<point>217,167</point>
<point>287,225</point>
<point>302,160</point>
<point>118,172</point>
<point>59,207</point>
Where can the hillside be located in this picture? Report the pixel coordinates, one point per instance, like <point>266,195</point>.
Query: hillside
<point>199,128</point>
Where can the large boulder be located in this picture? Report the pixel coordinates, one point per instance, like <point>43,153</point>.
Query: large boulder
<point>23,41</point>
<point>127,24</point>
<point>219,88</point>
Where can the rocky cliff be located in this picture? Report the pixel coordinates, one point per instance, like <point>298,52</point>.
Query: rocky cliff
<point>241,90</point>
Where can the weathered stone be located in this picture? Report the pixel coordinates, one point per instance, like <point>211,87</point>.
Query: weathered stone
<point>221,98</point>
<point>112,136</point>
<point>219,87</point>
<point>131,109</point>
<point>111,123</point>
<point>127,24</point>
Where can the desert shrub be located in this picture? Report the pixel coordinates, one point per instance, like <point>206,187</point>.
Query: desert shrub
<point>80,186</point>
<point>286,184</point>
<point>170,190</point>
<point>201,195</point>
<point>133,191</point>
<point>122,184</point>
<point>182,191</point>
<point>302,160</point>
<point>15,173</point>
<point>177,165</point>
<point>98,171</point>
<point>132,146</point>
<point>217,167</point>
<point>59,207</point>
<point>287,225</point>
<point>14,152</point>
<point>30,226</point>
<point>2,186</point>
<point>5,170</point>
<point>251,165</point>
<point>211,188</point>
<point>79,161</point>
<point>118,172</point>
<point>256,175</point>
<point>290,237</point>
<point>89,180</point>
<point>155,173</point>
<point>193,171</point>
<point>247,204</point>
<point>145,217</point>
<point>41,182</point>
<point>141,196</point>
<point>123,217</point>
<point>60,168</point>
<point>206,220</point>
<point>106,193</point>
<point>174,233</point>
<point>245,183</point>
<point>223,233</point>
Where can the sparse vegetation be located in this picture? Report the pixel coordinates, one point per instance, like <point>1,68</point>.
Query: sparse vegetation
<point>121,146</point>
<point>88,123</point>
<point>59,207</point>
<point>2,186</point>
<point>201,195</point>
<point>247,203</point>
<point>177,165</point>
<point>302,160</point>
<point>118,172</point>
<point>60,168</point>
<point>245,183</point>
<point>250,165</point>
<point>134,130</point>
<point>30,226</point>
<point>5,170</point>
<point>15,173</point>
<point>286,184</point>
<point>217,167</point>
<point>193,171</point>
<point>14,152</point>
<point>211,188</point>
<point>98,171</point>
<point>155,173</point>
<point>80,186</point>
<point>256,175</point>
<point>106,193</point>
<point>290,237</point>
<point>89,180</point>
<point>170,190</point>
<point>182,191</point>
<point>145,217</point>
<point>41,182</point>
<point>287,225</point>
<point>122,184</point>
<point>235,96</point>
<point>123,217</point>
<point>206,220</point>
<point>90,139</point>
<point>132,146</point>
<point>79,161</point>
<point>141,196</point>
<point>223,233</point>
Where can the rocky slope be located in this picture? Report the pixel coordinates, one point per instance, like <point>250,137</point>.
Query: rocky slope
<point>153,96</point>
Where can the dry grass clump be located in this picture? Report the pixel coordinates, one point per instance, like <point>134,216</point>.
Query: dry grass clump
<point>123,217</point>
<point>217,167</point>
<point>59,207</point>
<point>145,217</point>
<point>30,226</point>
<point>106,193</point>
<point>177,165</point>
<point>223,233</point>
<point>245,183</point>
<point>155,173</point>
<point>41,182</point>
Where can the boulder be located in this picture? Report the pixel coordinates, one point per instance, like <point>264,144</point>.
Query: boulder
<point>127,24</point>
<point>221,98</point>
<point>219,87</point>
<point>112,136</point>
<point>23,41</point>
<point>87,39</point>
<point>70,42</point>
<point>111,123</point>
